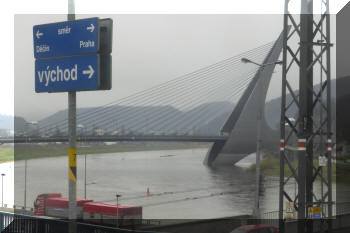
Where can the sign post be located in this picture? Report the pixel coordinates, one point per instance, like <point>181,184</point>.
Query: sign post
<point>72,151</point>
<point>73,56</point>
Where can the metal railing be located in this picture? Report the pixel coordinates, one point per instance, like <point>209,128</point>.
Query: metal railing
<point>5,220</point>
<point>14,223</point>
<point>270,218</point>
<point>339,208</point>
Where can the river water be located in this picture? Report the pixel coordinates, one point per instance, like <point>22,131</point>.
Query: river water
<point>180,186</point>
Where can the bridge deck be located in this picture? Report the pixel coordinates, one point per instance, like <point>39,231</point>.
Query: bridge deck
<point>117,138</point>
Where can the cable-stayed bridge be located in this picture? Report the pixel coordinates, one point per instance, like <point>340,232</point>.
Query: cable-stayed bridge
<point>218,103</point>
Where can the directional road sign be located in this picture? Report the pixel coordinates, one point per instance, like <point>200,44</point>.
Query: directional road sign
<point>66,38</point>
<point>67,74</point>
<point>73,55</point>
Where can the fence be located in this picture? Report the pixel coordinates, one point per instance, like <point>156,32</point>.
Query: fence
<point>17,209</point>
<point>340,208</point>
<point>16,223</point>
<point>270,218</point>
<point>13,223</point>
<point>5,220</point>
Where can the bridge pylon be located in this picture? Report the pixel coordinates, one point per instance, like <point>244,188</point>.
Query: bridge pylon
<point>242,125</point>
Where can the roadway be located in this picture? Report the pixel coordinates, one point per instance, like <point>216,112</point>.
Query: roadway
<point>161,138</point>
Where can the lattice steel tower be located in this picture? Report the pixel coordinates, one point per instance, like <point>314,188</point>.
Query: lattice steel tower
<point>305,147</point>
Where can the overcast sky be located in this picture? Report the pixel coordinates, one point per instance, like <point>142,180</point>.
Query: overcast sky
<point>147,49</point>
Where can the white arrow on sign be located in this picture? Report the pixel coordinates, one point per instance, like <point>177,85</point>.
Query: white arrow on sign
<point>38,34</point>
<point>91,28</point>
<point>90,71</point>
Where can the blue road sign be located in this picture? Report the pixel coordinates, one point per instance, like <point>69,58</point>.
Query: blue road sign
<point>66,38</point>
<point>314,212</point>
<point>316,216</point>
<point>77,73</point>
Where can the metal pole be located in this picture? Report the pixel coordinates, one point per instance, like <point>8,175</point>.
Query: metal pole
<point>321,141</point>
<point>257,170</point>
<point>2,190</point>
<point>305,166</point>
<point>295,154</point>
<point>282,120</point>
<point>117,211</point>
<point>117,195</point>
<point>329,119</point>
<point>71,10</point>
<point>72,151</point>
<point>258,150</point>
<point>25,184</point>
<point>85,176</point>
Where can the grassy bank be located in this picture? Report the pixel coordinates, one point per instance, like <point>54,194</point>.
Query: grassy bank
<point>32,151</point>
<point>6,154</point>
<point>271,167</point>
<point>343,173</point>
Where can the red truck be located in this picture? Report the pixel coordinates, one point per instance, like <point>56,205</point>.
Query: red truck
<point>54,205</point>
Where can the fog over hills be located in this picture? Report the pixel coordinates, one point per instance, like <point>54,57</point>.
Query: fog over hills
<point>152,118</point>
<point>150,114</point>
<point>6,122</point>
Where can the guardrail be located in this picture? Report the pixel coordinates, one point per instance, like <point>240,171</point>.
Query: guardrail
<point>17,209</point>
<point>14,223</point>
<point>340,208</point>
<point>5,220</point>
<point>270,218</point>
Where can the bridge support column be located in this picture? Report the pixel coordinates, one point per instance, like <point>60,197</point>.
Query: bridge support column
<point>213,152</point>
<point>242,125</point>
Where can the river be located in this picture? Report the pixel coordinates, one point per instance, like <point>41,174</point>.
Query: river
<point>180,186</point>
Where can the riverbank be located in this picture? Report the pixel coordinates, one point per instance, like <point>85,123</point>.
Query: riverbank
<point>6,155</point>
<point>33,151</point>
<point>271,167</point>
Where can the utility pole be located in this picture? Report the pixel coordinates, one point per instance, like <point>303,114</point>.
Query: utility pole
<point>306,55</point>
<point>260,114</point>
<point>25,185</point>
<point>2,189</point>
<point>117,216</point>
<point>305,127</point>
<point>72,151</point>
<point>85,176</point>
